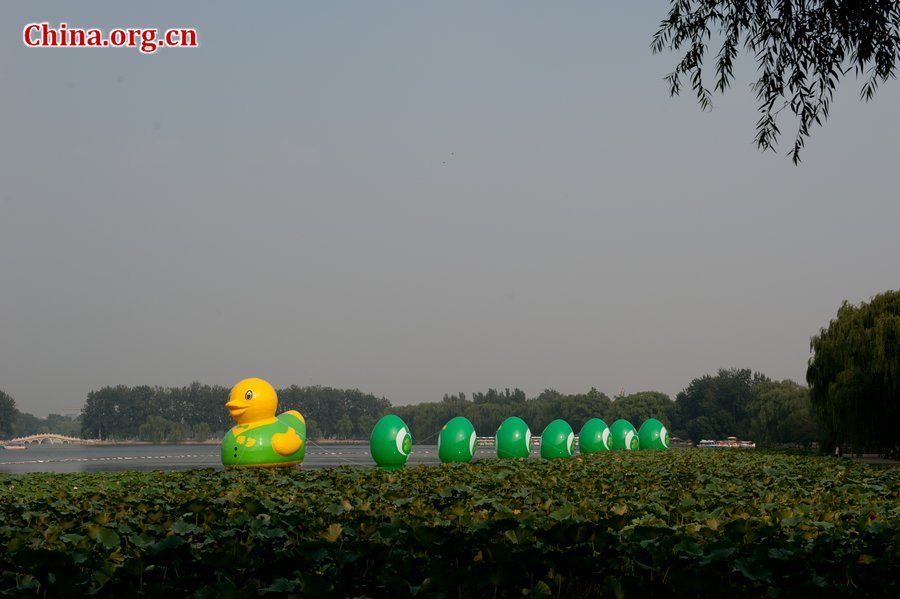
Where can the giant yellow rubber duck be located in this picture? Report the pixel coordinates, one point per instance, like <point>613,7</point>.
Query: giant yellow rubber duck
<point>260,439</point>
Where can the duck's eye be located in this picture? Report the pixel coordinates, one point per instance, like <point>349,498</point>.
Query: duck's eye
<point>249,395</point>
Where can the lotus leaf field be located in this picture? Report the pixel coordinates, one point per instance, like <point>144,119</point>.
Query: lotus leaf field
<point>618,524</point>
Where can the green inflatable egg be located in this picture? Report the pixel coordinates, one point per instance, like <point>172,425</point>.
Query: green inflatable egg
<point>653,435</point>
<point>456,441</point>
<point>557,440</point>
<point>623,435</point>
<point>594,436</point>
<point>513,439</point>
<point>390,443</point>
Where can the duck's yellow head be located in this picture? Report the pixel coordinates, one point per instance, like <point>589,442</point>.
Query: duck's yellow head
<point>252,400</point>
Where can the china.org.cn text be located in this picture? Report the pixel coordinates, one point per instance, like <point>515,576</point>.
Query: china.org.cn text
<point>148,41</point>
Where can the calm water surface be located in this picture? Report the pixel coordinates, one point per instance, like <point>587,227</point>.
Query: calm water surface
<point>112,458</point>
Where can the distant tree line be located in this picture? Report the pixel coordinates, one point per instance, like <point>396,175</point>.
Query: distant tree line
<point>732,402</point>
<point>165,413</point>
<point>14,423</point>
<point>488,410</point>
<point>60,424</point>
<point>198,411</point>
<point>737,402</point>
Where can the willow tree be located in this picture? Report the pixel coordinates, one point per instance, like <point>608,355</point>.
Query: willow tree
<point>854,374</point>
<point>802,49</point>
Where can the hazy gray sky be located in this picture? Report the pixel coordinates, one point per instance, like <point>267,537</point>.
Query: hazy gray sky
<point>414,198</point>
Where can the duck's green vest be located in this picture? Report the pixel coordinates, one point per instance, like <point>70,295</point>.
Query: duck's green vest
<point>249,445</point>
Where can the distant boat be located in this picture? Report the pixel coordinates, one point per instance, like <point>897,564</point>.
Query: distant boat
<point>15,447</point>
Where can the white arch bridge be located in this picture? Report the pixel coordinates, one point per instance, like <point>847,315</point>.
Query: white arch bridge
<point>49,439</point>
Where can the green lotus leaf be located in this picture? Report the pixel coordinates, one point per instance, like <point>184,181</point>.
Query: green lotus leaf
<point>753,569</point>
<point>108,538</point>
<point>280,585</point>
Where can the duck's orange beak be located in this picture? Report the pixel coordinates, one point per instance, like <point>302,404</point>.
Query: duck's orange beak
<point>237,407</point>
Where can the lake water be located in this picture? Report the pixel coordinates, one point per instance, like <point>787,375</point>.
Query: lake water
<point>116,458</point>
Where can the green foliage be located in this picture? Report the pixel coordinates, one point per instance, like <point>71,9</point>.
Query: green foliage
<point>118,412</point>
<point>200,431</point>
<point>332,408</point>
<point>638,407</point>
<point>715,407</point>
<point>488,410</point>
<point>28,424</point>
<point>344,428</point>
<point>781,414</point>
<point>683,523</point>
<point>745,405</point>
<point>854,374</point>
<point>63,425</point>
<point>506,397</point>
<point>157,429</point>
<point>312,429</point>
<point>802,50</point>
<point>7,415</point>
<point>122,412</point>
